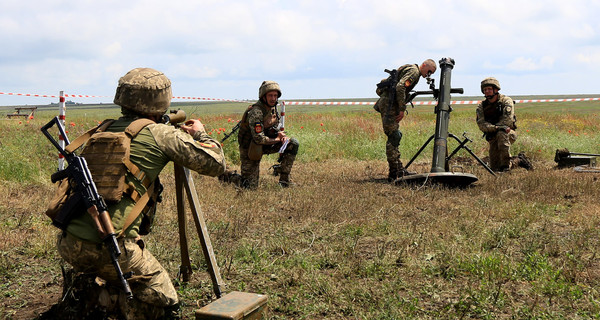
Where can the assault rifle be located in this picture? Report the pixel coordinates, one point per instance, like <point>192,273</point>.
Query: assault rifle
<point>233,130</point>
<point>85,191</point>
<point>390,85</point>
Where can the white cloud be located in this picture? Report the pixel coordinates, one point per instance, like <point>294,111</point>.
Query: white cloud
<point>529,64</point>
<point>86,45</point>
<point>112,49</point>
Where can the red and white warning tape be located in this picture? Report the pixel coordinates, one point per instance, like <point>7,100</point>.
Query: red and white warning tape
<point>306,103</point>
<point>354,103</point>
<point>51,95</point>
<point>210,99</point>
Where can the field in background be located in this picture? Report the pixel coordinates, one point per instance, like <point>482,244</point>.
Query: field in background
<point>344,244</point>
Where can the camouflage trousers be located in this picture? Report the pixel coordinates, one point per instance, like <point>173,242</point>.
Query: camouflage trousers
<point>500,158</point>
<point>391,129</point>
<point>151,286</point>
<point>250,169</point>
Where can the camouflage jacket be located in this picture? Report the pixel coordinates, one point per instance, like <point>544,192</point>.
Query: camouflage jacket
<point>408,76</point>
<point>259,124</point>
<point>499,113</point>
<point>151,150</point>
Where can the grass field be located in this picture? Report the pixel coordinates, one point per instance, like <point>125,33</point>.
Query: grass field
<point>345,244</point>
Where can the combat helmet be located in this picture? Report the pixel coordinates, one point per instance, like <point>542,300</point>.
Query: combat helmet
<point>267,86</point>
<point>490,81</point>
<point>145,91</point>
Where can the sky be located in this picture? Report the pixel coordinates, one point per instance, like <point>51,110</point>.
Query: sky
<point>314,48</point>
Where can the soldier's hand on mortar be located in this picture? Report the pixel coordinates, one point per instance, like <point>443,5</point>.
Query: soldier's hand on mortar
<point>192,126</point>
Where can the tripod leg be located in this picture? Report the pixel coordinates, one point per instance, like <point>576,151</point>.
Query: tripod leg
<point>418,152</point>
<point>185,269</point>
<point>209,255</point>
<point>462,144</point>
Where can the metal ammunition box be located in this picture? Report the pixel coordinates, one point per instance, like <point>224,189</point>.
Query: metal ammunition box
<point>235,306</point>
<point>573,161</point>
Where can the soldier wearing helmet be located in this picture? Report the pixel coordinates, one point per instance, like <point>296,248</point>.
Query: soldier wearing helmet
<point>496,119</point>
<point>144,95</point>
<point>392,112</point>
<point>260,134</point>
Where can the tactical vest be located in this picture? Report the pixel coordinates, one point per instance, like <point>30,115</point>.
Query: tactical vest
<point>269,126</point>
<point>107,156</point>
<point>492,112</point>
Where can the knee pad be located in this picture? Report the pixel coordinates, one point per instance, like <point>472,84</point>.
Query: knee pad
<point>292,147</point>
<point>395,137</point>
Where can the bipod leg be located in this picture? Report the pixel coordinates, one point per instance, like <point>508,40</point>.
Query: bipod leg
<point>209,254</point>
<point>185,269</point>
<point>419,152</point>
<point>462,145</point>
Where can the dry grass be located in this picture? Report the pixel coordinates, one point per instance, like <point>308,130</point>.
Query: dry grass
<point>344,244</point>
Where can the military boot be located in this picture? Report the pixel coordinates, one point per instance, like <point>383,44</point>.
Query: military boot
<point>392,174</point>
<point>524,161</point>
<point>402,172</point>
<point>275,169</point>
<point>284,180</point>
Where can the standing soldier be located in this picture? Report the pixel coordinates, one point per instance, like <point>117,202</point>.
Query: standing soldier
<point>392,112</point>
<point>144,95</point>
<point>259,134</point>
<point>496,119</point>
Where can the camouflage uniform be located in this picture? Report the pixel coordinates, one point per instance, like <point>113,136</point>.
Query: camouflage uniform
<point>489,117</point>
<point>153,147</point>
<point>409,76</point>
<point>259,125</point>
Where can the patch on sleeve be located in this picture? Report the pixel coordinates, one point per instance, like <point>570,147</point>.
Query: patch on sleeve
<point>508,108</point>
<point>407,83</point>
<point>258,127</point>
<point>207,145</point>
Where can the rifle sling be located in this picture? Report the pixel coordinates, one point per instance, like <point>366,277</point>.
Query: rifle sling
<point>137,210</point>
<point>87,135</point>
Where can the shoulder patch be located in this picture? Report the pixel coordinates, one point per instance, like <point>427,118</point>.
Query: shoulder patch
<point>207,145</point>
<point>508,108</point>
<point>258,127</point>
<point>407,83</point>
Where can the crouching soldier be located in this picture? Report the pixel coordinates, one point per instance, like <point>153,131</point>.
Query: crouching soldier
<point>259,134</point>
<point>496,119</point>
<point>144,95</point>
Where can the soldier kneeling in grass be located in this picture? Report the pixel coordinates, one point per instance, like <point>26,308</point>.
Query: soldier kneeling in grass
<point>496,119</point>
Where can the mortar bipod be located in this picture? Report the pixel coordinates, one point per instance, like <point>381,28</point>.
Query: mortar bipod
<point>462,145</point>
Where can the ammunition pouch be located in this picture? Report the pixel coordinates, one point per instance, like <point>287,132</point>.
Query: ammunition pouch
<point>65,204</point>
<point>255,151</point>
